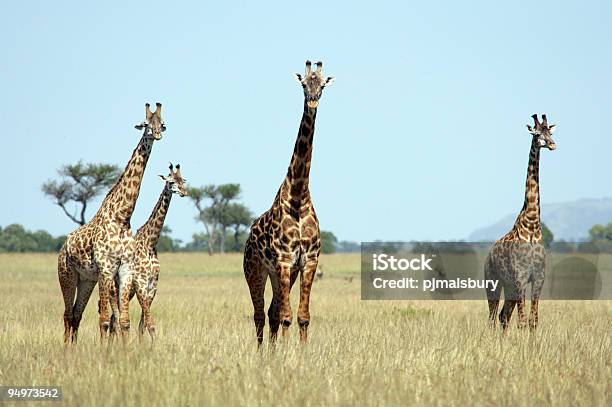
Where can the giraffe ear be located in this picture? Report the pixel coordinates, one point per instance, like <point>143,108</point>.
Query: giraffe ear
<point>552,128</point>
<point>163,178</point>
<point>298,78</point>
<point>140,126</point>
<point>329,81</point>
<point>530,129</point>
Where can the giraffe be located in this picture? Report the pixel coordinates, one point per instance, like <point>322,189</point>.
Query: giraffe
<point>146,264</point>
<point>285,240</point>
<point>519,257</point>
<point>101,250</point>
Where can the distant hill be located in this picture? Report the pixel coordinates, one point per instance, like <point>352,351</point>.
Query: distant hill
<point>569,221</point>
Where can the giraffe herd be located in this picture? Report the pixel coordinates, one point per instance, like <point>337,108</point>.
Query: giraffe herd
<point>283,242</point>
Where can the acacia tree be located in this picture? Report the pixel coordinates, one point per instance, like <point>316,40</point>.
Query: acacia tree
<point>80,183</point>
<point>212,201</point>
<point>236,215</point>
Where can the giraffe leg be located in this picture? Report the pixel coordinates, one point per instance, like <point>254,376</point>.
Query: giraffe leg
<point>114,307</point>
<point>149,321</point>
<point>140,296</point>
<point>536,290</point>
<point>283,271</point>
<point>294,273</point>
<point>126,276</point>
<point>274,318</point>
<point>256,280</point>
<point>274,310</point>
<point>492,296</point>
<point>84,290</point>
<point>106,329</point>
<point>520,305</point>
<point>533,315</point>
<point>107,288</point>
<point>493,306</point>
<point>520,308</point>
<point>306,279</point>
<point>141,326</point>
<point>146,321</point>
<point>68,282</point>
<point>114,317</point>
<point>146,317</point>
<point>506,312</point>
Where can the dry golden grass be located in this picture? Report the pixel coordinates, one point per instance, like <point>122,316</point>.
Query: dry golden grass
<point>360,352</point>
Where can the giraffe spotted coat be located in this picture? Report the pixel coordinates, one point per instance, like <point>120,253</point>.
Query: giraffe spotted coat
<point>285,240</point>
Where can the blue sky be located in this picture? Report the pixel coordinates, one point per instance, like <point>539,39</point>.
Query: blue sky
<point>422,136</point>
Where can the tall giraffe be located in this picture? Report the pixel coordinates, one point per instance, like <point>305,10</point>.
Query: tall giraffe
<point>102,249</point>
<point>519,257</point>
<point>143,282</point>
<point>285,240</point>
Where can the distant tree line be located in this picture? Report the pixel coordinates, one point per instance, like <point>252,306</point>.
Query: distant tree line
<point>15,238</point>
<point>225,220</point>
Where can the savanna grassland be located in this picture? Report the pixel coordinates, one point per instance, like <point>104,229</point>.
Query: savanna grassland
<point>359,353</point>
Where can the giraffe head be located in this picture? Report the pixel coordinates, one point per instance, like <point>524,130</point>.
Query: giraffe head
<point>543,132</point>
<point>154,124</point>
<point>313,83</point>
<point>175,181</point>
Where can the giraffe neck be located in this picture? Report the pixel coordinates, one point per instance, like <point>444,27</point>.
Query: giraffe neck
<point>120,201</point>
<point>151,230</point>
<point>528,221</point>
<point>295,185</point>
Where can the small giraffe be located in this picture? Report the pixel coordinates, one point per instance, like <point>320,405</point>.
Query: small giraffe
<point>102,249</point>
<point>285,240</point>
<point>519,257</point>
<point>146,264</point>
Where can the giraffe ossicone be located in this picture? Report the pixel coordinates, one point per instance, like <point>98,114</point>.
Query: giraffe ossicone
<point>153,124</point>
<point>313,83</point>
